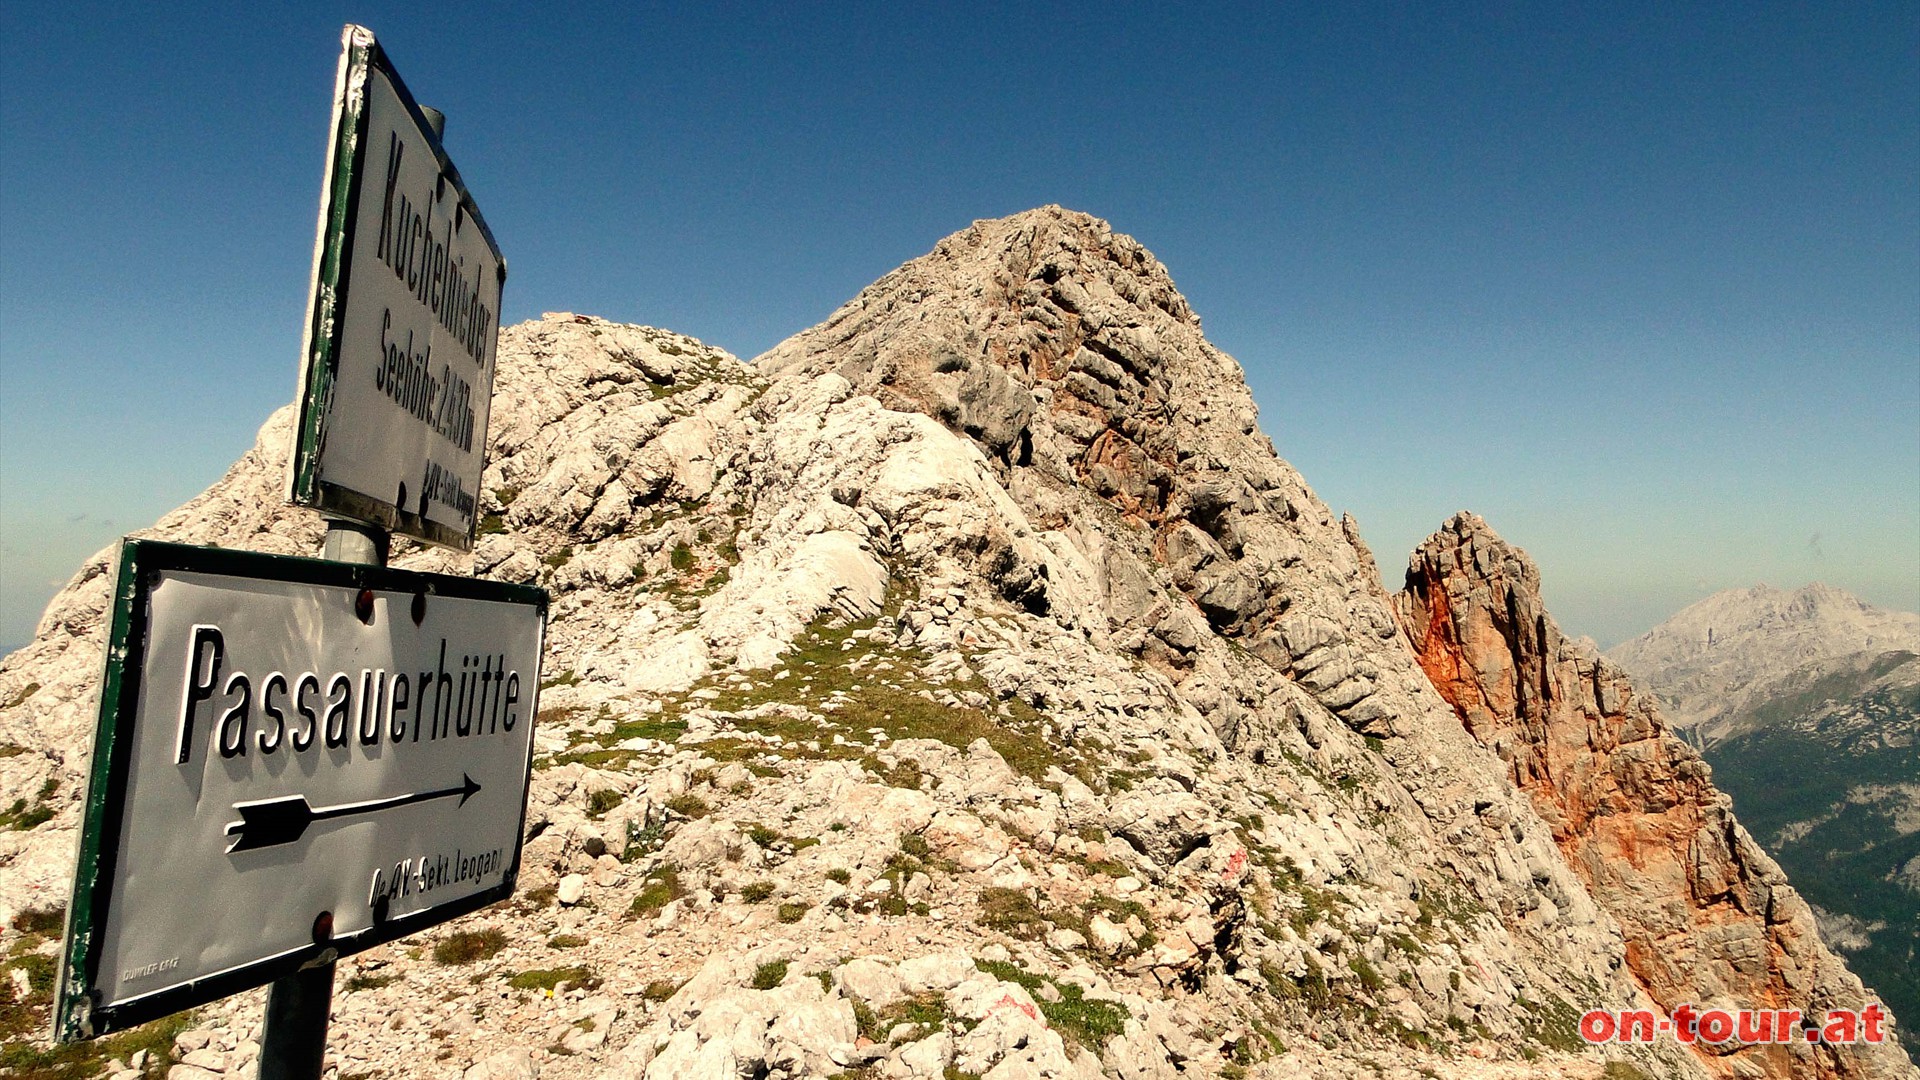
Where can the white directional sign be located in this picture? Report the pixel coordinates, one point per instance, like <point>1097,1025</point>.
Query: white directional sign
<point>397,371</point>
<point>293,756</point>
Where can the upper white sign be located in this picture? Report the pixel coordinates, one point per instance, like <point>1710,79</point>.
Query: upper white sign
<point>402,324</point>
<point>293,756</point>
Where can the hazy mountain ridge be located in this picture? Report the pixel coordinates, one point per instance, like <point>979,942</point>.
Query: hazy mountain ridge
<point>967,685</point>
<point>1718,662</point>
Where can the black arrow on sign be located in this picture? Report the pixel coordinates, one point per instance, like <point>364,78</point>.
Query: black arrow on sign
<point>271,822</point>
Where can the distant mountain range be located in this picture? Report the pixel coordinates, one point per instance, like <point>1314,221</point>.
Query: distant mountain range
<point>1807,705</point>
<point>1724,664</point>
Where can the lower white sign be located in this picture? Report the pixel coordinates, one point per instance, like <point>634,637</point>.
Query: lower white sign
<point>293,756</point>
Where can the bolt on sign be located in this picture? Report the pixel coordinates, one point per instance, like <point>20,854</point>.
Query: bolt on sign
<point>402,323</point>
<point>294,760</point>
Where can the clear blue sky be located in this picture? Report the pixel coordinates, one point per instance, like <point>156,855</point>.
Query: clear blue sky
<point>1639,283</point>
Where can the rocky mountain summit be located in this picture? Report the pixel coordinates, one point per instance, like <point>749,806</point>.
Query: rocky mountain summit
<point>966,688</point>
<point>1717,661</point>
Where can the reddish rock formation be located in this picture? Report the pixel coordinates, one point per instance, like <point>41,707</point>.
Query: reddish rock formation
<point>1709,917</point>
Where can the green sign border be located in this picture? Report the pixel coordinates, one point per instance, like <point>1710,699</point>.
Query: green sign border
<point>78,1014</point>
<point>340,207</point>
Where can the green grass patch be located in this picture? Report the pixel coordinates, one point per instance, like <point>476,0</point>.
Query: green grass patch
<point>1107,867</point>
<point>1310,989</point>
<point>689,805</point>
<point>81,1060</point>
<point>40,970</point>
<point>903,773</point>
<point>41,922</point>
<point>866,1022</point>
<point>1119,911</point>
<point>1365,972</point>
<point>1406,943</point>
<point>1554,1024</point>
<point>469,946</point>
<point>534,899</point>
<point>23,816</point>
<point>1314,903</point>
<point>609,760</point>
<point>769,975</point>
<point>1013,913</point>
<point>926,1011</point>
<point>823,675</point>
<point>662,888</point>
<point>649,728</point>
<point>553,978</point>
<point>25,1014</point>
<point>1086,1023</point>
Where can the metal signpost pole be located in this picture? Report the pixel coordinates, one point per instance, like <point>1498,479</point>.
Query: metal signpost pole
<point>293,1040</point>
<point>293,1044</point>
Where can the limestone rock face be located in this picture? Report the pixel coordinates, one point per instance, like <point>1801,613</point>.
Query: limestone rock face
<point>966,684</point>
<point>1064,349</point>
<point>1708,916</point>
